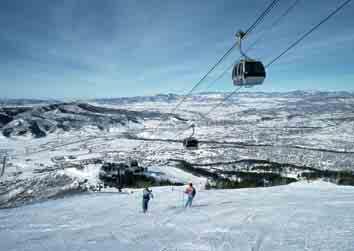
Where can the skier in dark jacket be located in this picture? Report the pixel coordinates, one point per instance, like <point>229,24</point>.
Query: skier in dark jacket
<point>147,195</point>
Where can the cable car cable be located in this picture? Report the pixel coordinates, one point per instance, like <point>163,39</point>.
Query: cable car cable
<point>275,23</point>
<point>309,32</point>
<point>248,31</point>
<point>261,17</point>
<point>220,76</point>
<point>221,102</point>
<point>205,114</point>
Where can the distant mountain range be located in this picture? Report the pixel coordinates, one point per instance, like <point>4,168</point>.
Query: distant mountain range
<point>38,121</point>
<point>206,95</point>
<point>173,97</point>
<point>40,117</point>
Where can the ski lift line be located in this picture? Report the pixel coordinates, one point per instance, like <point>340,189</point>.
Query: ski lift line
<point>204,77</point>
<point>340,7</point>
<point>162,146</point>
<point>220,103</point>
<point>198,84</point>
<point>275,23</point>
<point>261,17</point>
<point>221,75</point>
<point>181,132</point>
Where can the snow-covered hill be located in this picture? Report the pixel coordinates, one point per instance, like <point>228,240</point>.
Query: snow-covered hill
<point>301,216</point>
<point>38,121</point>
<point>256,138</point>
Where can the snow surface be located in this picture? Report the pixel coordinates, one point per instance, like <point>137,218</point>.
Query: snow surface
<point>300,216</point>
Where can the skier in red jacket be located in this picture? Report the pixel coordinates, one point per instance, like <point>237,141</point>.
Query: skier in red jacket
<point>190,191</point>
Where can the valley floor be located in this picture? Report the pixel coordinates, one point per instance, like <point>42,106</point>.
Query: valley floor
<point>300,216</point>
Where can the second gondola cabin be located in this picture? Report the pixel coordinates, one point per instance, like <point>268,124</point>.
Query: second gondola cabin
<point>248,73</point>
<point>191,143</point>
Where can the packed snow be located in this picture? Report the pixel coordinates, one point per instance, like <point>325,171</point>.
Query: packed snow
<point>300,216</point>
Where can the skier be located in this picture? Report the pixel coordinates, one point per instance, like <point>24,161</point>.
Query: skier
<point>190,191</point>
<point>147,195</point>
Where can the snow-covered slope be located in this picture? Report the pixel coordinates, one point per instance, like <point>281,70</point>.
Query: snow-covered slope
<point>301,216</point>
<point>275,134</point>
<point>261,139</point>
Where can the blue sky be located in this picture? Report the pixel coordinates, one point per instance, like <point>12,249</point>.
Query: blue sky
<point>110,48</point>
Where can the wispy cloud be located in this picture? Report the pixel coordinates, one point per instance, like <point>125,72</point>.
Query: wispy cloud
<point>137,47</point>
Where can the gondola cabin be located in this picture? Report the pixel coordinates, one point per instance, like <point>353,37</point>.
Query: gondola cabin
<point>190,143</point>
<point>248,73</point>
